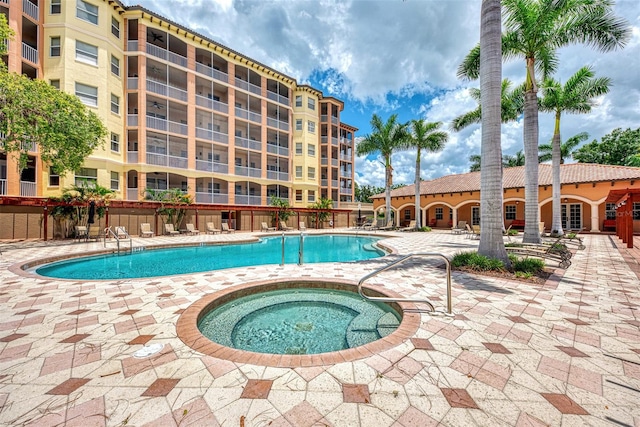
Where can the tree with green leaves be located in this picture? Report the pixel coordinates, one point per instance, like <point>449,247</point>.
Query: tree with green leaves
<point>173,204</point>
<point>424,136</point>
<point>34,112</point>
<point>534,31</point>
<point>476,163</point>
<point>567,148</point>
<point>282,210</point>
<point>323,208</point>
<point>513,160</point>
<point>385,138</point>
<point>620,147</point>
<point>363,193</point>
<point>576,96</point>
<point>75,208</point>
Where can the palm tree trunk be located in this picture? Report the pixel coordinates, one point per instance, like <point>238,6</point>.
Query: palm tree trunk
<point>556,160</point>
<point>530,125</point>
<point>418,214</point>
<point>491,240</point>
<point>388,183</point>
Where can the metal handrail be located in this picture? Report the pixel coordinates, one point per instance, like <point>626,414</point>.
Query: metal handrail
<point>282,263</point>
<point>301,251</point>
<point>108,233</point>
<point>400,261</point>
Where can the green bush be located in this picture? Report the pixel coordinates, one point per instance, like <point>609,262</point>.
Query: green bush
<point>477,262</point>
<point>424,229</point>
<point>523,275</point>
<point>512,232</point>
<point>527,265</point>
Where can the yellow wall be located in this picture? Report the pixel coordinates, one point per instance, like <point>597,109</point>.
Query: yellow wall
<point>307,138</point>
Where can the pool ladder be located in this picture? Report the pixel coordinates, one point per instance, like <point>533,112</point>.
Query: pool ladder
<point>121,235</point>
<point>418,300</point>
<point>300,251</point>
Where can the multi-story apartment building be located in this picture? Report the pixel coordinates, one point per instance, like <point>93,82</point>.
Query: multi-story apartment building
<point>182,110</point>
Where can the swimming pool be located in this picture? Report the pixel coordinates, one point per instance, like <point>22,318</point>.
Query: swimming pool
<point>196,259</point>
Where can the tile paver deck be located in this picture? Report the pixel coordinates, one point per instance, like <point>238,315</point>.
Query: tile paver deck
<point>562,353</point>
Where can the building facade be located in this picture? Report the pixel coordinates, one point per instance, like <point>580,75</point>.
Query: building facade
<point>182,111</point>
<point>584,198</point>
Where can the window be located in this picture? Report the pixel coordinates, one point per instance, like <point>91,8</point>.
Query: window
<point>115,142</point>
<point>407,214</point>
<point>115,181</point>
<point>510,212</point>
<point>86,177</point>
<point>298,100</point>
<point>87,12</point>
<point>610,211</point>
<point>86,53</point>
<point>298,124</point>
<point>298,195</point>
<point>311,150</point>
<point>87,94</point>
<point>311,126</point>
<point>56,8</point>
<point>439,214</point>
<point>115,104</point>
<point>55,46</point>
<point>311,104</point>
<point>636,210</point>
<point>299,172</point>
<point>115,27</point>
<point>311,196</point>
<point>55,83</point>
<point>311,173</point>
<point>115,66</point>
<point>54,178</point>
<point>298,148</point>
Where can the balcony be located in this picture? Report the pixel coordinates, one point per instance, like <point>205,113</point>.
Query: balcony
<point>324,183</point>
<point>278,176</point>
<point>345,174</point>
<point>165,160</point>
<point>212,72</point>
<point>132,194</point>
<point>334,141</point>
<point>242,199</point>
<point>132,45</point>
<point>29,146</point>
<point>166,90</point>
<point>346,141</point>
<point>324,161</point>
<point>167,125</point>
<point>30,9</point>
<point>241,113</point>
<point>248,143</point>
<point>334,182</point>
<point>276,149</point>
<point>246,171</point>
<point>278,98</point>
<point>161,53</point>
<point>334,162</point>
<point>212,135</point>
<point>249,87</point>
<point>219,198</point>
<point>334,120</point>
<point>279,124</point>
<point>132,157</point>
<point>29,53</point>
<point>346,157</point>
<point>212,104</point>
<point>207,166</point>
<point>28,189</point>
<point>345,190</point>
<point>132,120</point>
<point>132,83</point>
<point>3,187</point>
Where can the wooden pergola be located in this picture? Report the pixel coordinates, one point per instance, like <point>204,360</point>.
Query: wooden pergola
<point>624,199</point>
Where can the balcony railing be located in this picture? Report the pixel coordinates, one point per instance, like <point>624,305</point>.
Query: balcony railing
<point>166,90</point>
<point>346,157</point>
<point>205,165</point>
<point>241,113</point>
<point>132,45</point>
<point>3,186</point>
<point>334,182</point>
<point>334,162</point>
<point>345,190</point>
<point>30,9</point>
<point>346,141</point>
<point>278,98</point>
<point>242,199</point>
<point>324,161</point>
<point>334,141</point>
<point>132,120</point>
<point>279,176</point>
<point>279,124</point>
<point>165,160</point>
<point>29,53</point>
<point>29,146</point>
<point>4,1</point>
<point>212,135</point>
<point>212,72</point>
<point>132,194</point>
<point>248,143</point>
<point>27,189</point>
<point>132,83</point>
<point>246,171</point>
<point>167,125</point>
<point>276,149</point>
<point>132,157</point>
<point>212,104</point>
<point>161,53</point>
<point>324,139</point>
<point>249,87</point>
<point>334,120</point>
<point>220,198</point>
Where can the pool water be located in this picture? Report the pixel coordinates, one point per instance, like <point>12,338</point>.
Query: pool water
<point>195,259</point>
<point>298,321</point>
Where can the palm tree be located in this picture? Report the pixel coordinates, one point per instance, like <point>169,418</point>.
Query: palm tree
<point>535,30</point>
<point>384,138</point>
<point>510,161</point>
<point>424,136</point>
<point>576,96</point>
<point>566,148</point>
<point>476,163</point>
<point>490,65</point>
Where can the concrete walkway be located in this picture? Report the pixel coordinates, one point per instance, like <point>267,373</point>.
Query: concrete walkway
<point>566,353</point>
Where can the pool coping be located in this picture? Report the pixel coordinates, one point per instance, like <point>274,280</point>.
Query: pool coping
<point>188,332</point>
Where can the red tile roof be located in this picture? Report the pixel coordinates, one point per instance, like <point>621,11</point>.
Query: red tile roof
<point>571,173</point>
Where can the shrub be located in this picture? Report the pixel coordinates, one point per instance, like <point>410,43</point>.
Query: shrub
<point>477,262</point>
<point>512,232</point>
<point>527,265</point>
<point>523,275</point>
<point>424,229</point>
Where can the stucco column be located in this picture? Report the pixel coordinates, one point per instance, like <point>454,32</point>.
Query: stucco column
<point>595,218</point>
<point>454,216</point>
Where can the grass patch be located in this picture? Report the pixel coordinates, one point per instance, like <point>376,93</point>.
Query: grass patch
<point>477,262</point>
<point>529,269</point>
<point>424,229</point>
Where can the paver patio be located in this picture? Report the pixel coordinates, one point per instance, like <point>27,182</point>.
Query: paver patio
<point>565,353</point>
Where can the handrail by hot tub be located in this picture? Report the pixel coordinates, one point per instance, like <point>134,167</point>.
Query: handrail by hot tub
<point>400,261</point>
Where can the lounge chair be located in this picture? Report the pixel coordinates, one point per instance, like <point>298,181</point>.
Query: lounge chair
<point>226,229</point>
<point>145,230</point>
<point>476,231</point>
<point>168,228</point>
<point>303,226</point>
<point>410,227</point>
<point>81,232</point>
<point>284,226</point>
<point>368,225</point>
<point>389,226</point>
<point>460,228</point>
<point>121,232</point>
<point>191,229</point>
<point>264,227</point>
<point>211,229</point>
<point>506,232</point>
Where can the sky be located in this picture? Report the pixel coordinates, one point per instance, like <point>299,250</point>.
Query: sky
<point>400,57</point>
